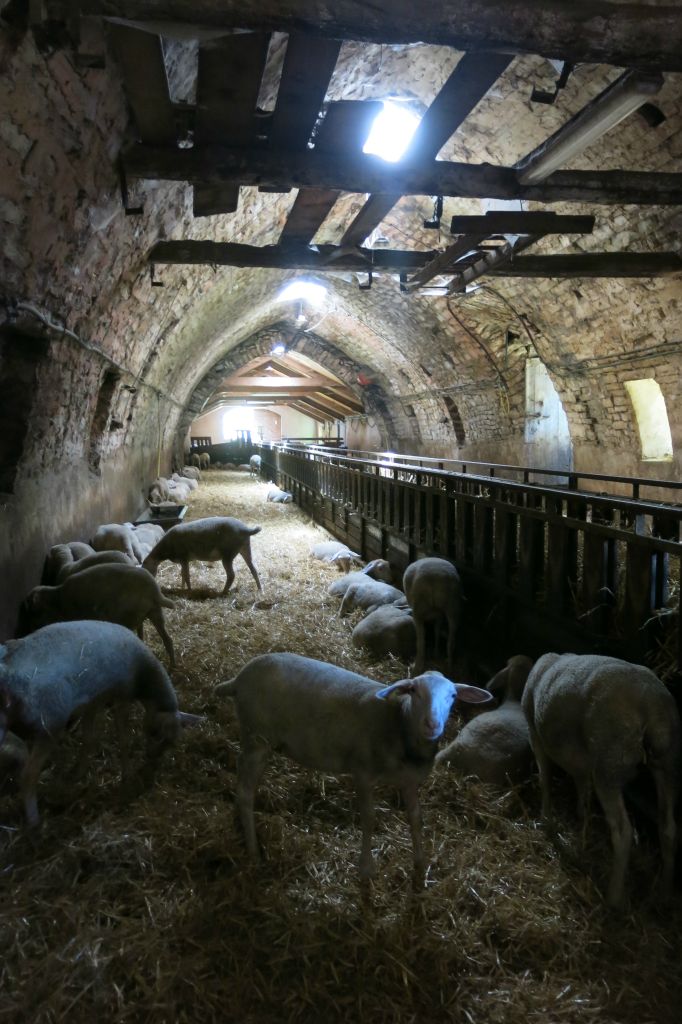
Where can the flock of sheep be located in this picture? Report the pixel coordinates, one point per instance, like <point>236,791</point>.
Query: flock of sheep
<point>598,718</point>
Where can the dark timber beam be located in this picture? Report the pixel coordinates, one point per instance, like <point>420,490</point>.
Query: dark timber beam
<point>363,173</point>
<point>140,58</point>
<point>502,222</point>
<point>593,264</point>
<point>593,31</point>
<point>284,257</point>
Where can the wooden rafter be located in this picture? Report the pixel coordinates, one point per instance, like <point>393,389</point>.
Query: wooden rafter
<point>140,57</point>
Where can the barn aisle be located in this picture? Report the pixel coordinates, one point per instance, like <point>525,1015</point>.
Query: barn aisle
<point>145,909</point>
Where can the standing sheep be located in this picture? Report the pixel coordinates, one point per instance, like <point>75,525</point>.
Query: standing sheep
<point>206,540</point>
<point>71,670</point>
<point>255,462</point>
<point>434,592</point>
<point>335,721</point>
<point>204,460</point>
<point>98,558</point>
<point>195,460</point>
<point>496,746</point>
<point>600,719</point>
<point>61,555</point>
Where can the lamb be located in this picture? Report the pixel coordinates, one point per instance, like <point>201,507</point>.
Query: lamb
<point>333,552</point>
<point>70,670</point>
<point>495,746</point>
<point>64,554</point>
<point>387,630</point>
<point>206,540</point>
<point>97,558</point>
<point>124,594</point>
<point>434,591</point>
<point>332,720</point>
<point>192,473</point>
<point>275,493</point>
<point>204,460</point>
<point>378,569</point>
<point>254,463</point>
<point>369,594</point>
<point>117,537</point>
<point>599,719</point>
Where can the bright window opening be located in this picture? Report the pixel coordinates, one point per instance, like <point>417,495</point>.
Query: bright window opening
<point>308,291</point>
<point>236,421</point>
<point>391,132</point>
<point>652,419</point>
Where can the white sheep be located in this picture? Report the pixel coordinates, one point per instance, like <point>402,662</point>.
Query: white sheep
<point>64,554</point>
<point>159,491</point>
<point>195,460</point>
<point>97,558</point>
<point>118,537</point>
<point>387,630</point>
<point>434,591</point>
<point>71,670</point>
<point>336,721</point>
<point>378,569</point>
<point>495,746</point>
<point>125,594</point>
<point>147,536</point>
<point>600,719</point>
<point>206,540</point>
<point>276,494</point>
<point>204,460</point>
<point>368,595</point>
<point>192,472</point>
<point>255,464</point>
<point>333,552</point>
<point>188,481</point>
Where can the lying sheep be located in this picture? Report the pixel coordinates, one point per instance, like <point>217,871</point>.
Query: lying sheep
<point>124,594</point>
<point>333,552</point>
<point>117,537</point>
<point>64,554</point>
<point>192,472</point>
<point>204,460</point>
<point>335,721</point>
<point>275,493</point>
<point>178,492</point>
<point>434,591</point>
<point>97,558</point>
<point>255,463</point>
<point>187,481</point>
<point>378,569</point>
<point>71,670</point>
<point>369,594</point>
<point>147,536</point>
<point>388,630</point>
<point>600,719</point>
<point>159,491</point>
<point>206,540</point>
<point>496,746</point>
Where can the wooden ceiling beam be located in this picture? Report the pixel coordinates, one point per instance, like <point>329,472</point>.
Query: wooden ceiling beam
<point>592,31</point>
<point>140,57</point>
<point>365,173</point>
<point>284,257</point>
<point>504,222</point>
<point>594,264</point>
<point>279,383</point>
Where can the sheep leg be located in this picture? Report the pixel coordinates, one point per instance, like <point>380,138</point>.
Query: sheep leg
<point>87,750</point>
<point>157,620</point>
<point>40,751</point>
<point>121,713</point>
<point>665,792</point>
<point>611,798</point>
<point>544,771</point>
<point>184,567</point>
<point>410,795</point>
<point>420,660</point>
<point>250,767</point>
<point>367,816</point>
<point>246,555</point>
<point>229,574</point>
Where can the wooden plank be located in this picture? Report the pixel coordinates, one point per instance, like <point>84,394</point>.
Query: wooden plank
<point>228,83</point>
<point>140,56</point>
<point>502,222</point>
<point>593,264</point>
<point>489,260</point>
<point>365,173</point>
<point>587,31</point>
<point>308,67</point>
<point>288,256</point>
<point>445,261</point>
<point>463,90</point>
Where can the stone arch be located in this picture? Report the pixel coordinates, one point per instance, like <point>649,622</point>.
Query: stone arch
<point>374,395</point>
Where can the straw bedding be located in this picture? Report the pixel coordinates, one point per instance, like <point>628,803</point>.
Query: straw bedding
<point>144,908</point>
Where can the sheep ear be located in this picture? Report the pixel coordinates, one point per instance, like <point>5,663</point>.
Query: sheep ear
<point>188,721</point>
<point>369,566</point>
<point>395,690</point>
<point>473,694</point>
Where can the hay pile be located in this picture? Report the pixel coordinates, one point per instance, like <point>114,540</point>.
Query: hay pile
<point>148,911</point>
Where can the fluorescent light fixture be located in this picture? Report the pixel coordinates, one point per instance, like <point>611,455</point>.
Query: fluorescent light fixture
<point>391,132</point>
<point>607,110</point>
<point>308,291</point>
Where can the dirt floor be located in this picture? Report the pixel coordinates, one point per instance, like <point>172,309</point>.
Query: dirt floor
<point>146,909</point>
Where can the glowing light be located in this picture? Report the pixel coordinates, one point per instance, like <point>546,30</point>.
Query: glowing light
<point>279,349</point>
<point>235,420</point>
<point>307,291</point>
<point>391,132</point>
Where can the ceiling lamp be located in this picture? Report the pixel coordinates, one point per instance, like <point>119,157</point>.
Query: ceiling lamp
<point>391,132</point>
<point>622,97</point>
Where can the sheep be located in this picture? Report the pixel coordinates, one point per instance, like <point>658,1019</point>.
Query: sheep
<point>434,591</point>
<point>369,594</point>
<point>97,558</point>
<point>117,537</point>
<point>599,719</point>
<point>159,491</point>
<point>206,540</point>
<point>124,594</point>
<point>64,554</point>
<point>275,493</point>
<point>195,460</point>
<point>188,481</point>
<point>378,569</point>
<point>496,746</point>
<point>178,492</point>
<point>254,463</point>
<point>192,473</point>
<point>69,670</point>
<point>332,720</point>
<point>147,536</point>
<point>204,460</point>
<point>333,552</point>
<point>13,755</point>
<point>387,630</point>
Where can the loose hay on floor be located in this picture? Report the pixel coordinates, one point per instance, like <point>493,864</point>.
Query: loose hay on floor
<point>148,910</point>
